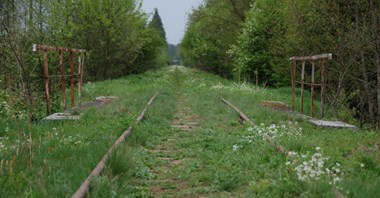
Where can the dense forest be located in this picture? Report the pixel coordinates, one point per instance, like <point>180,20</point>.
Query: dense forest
<point>118,36</point>
<point>252,40</point>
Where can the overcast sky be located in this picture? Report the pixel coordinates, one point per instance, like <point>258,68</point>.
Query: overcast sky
<point>173,14</point>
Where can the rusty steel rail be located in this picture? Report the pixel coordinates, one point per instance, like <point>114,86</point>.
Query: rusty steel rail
<point>279,148</point>
<point>83,189</point>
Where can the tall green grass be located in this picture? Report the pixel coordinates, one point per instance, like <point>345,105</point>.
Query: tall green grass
<point>217,160</point>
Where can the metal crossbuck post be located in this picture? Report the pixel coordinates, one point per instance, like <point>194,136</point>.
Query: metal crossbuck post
<point>81,54</point>
<point>320,60</point>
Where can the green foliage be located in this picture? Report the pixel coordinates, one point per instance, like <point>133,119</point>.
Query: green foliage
<point>252,54</point>
<point>156,23</point>
<point>160,35</point>
<point>219,158</point>
<point>211,31</point>
<point>115,34</point>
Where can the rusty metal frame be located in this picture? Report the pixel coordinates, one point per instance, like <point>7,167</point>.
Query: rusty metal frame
<point>79,74</point>
<point>320,60</point>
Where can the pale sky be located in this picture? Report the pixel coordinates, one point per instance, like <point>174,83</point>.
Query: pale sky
<point>173,14</point>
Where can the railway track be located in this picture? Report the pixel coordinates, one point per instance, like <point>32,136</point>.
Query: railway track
<point>184,121</point>
<point>84,188</point>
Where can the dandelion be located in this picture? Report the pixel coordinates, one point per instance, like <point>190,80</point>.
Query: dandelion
<point>362,165</point>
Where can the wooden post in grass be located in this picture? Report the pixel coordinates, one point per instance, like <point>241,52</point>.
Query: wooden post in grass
<point>323,88</point>
<point>79,77</point>
<point>62,80</point>
<point>321,58</point>
<point>293,83</point>
<point>47,95</point>
<point>62,75</point>
<point>302,84</point>
<point>312,89</point>
<point>72,79</point>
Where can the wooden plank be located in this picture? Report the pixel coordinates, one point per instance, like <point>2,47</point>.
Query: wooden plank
<point>37,47</point>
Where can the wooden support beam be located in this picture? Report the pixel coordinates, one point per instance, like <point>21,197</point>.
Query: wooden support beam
<point>62,79</point>
<point>293,71</point>
<point>47,95</point>
<point>312,88</point>
<point>72,79</point>
<point>323,88</point>
<point>302,84</point>
<point>79,77</point>
<point>311,58</point>
<point>37,47</point>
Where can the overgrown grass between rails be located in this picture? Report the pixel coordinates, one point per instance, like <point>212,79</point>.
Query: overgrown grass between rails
<point>263,172</point>
<point>220,158</point>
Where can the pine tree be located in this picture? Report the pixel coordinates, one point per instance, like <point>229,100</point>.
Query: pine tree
<point>157,24</point>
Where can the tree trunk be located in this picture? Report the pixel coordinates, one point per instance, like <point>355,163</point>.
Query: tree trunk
<point>376,37</point>
<point>367,89</point>
<point>368,97</point>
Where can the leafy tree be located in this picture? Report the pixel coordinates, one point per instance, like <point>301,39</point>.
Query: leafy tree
<point>253,58</point>
<point>115,34</point>
<point>212,29</point>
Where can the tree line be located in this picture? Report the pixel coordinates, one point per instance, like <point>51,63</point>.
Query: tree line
<point>252,40</point>
<point>116,34</point>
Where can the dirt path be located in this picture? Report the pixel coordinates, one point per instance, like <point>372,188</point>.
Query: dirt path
<point>170,156</point>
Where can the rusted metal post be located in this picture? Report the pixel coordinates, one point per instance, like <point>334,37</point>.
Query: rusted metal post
<point>46,49</point>
<point>322,89</point>
<point>312,88</point>
<point>47,96</point>
<point>302,84</point>
<point>62,80</point>
<point>79,77</point>
<point>293,83</point>
<point>72,79</point>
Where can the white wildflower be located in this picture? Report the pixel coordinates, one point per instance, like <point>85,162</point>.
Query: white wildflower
<point>236,147</point>
<point>312,167</point>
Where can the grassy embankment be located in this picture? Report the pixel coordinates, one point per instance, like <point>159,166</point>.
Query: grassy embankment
<point>219,158</point>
